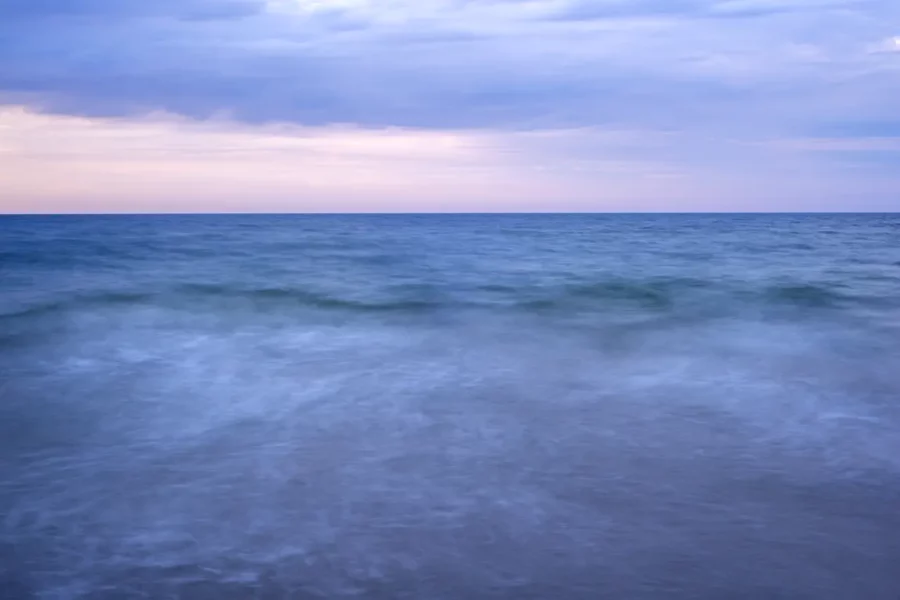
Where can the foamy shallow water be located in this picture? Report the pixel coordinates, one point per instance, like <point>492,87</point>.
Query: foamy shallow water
<point>450,407</point>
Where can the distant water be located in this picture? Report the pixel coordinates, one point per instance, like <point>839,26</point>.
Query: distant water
<point>450,407</point>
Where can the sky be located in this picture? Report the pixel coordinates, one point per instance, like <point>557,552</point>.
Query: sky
<point>449,105</point>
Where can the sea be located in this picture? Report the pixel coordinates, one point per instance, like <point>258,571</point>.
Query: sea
<point>443,407</point>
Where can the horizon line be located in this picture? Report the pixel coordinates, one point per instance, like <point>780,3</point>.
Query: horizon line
<point>437,213</point>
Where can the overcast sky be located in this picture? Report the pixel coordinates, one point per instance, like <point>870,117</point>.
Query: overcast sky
<point>449,105</point>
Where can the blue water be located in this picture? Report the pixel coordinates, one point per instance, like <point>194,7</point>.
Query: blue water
<point>450,407</point>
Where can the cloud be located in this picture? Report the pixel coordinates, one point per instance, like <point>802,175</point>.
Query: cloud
<point>886,46</point>
<point>162,162</point>
<point>443,64</point>
<point>15,11</point>
<point>165,162</point>
<point>700,84</point>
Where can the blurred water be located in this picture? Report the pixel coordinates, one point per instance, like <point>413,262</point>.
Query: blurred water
<point>430,407</point>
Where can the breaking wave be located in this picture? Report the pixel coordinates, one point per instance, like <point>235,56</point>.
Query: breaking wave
<point>448,408</point>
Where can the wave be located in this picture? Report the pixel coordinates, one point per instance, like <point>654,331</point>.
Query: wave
<point>653,296</point>
<point>186,296</point>
<point>806,295</point>
<point>303,297</point>
<point>93,300</point>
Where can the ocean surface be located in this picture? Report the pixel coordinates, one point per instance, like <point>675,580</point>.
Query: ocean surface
<point>595,407</point>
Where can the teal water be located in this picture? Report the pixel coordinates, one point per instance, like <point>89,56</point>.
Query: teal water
<point>425,406</point>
